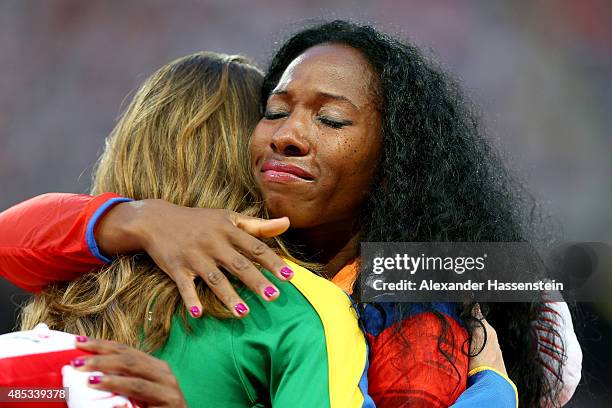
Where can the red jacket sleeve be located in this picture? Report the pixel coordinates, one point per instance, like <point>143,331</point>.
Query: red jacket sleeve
<point>50,238</point>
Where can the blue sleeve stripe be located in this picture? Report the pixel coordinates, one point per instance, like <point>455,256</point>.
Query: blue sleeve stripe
<point>89,234</point>
<point>488,388</point>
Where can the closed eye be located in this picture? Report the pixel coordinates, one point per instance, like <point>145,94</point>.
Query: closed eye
<point>275,115</point>
<point>334,123</point>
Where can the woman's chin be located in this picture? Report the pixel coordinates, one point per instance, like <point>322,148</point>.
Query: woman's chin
<point>299,215</point>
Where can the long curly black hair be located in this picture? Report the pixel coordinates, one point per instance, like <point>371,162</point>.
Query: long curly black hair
<point>439,178</point>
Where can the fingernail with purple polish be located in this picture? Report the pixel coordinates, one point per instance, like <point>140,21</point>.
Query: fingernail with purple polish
<point>81,339</point>
<point>95,379</point>
<point>241,309</point>
<point>77,362</point>
<point>286,272</point>
<point>270,291</point>
<point>195,311</point>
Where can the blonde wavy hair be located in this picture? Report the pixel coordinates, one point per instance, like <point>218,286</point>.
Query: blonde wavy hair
<point>184,139</point>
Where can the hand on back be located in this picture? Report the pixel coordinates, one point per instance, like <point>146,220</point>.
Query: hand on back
<point>188,243</point>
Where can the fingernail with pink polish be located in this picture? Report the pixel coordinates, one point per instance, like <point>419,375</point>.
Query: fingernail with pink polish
<point>77,362</point>
<point>241,309</point>
<point>81,339</point>
<point>270,291</point>
<point>286,272</point>
<point>95,379</point>
<point>195,311</point>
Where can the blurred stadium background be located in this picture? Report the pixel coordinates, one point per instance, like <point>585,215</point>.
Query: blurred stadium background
<point>540,70</point>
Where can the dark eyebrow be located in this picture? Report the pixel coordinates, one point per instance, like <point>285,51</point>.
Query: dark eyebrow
<point>338,98</point>
<point>322,94</point>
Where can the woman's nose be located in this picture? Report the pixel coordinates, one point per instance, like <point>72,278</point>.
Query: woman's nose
<point>290,139</point>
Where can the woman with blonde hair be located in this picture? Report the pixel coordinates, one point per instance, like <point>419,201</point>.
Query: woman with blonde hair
<point>180,140</point>
<point>184,139</point>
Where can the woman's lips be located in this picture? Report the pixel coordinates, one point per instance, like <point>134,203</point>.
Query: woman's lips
<point>274,170</point>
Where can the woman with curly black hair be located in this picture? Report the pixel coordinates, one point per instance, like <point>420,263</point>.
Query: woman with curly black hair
<point>363,139</point>
<point>438,178</point>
